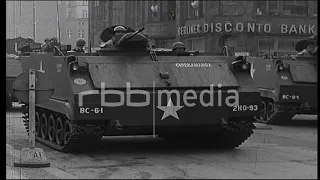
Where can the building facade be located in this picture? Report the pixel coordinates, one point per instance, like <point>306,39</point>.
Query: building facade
<point>74,21</point>
<point>20,21</point>
<point>243,26</point>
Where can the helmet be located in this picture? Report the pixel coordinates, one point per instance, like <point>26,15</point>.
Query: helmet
<point>54,38</point>
<point>178,45</point>
<point>119,28</point>
<point>29,39</point>
<point>47,39</point>
<point>80,42</point>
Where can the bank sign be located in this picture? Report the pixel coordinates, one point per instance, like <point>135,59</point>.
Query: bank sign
<point>246,27</point>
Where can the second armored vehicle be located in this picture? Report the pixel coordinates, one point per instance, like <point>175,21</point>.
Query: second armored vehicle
<point>288,85</point>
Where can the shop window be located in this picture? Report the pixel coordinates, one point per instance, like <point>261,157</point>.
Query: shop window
<point>266,43</point>
<point>287,45</point>
<point>195,44</point>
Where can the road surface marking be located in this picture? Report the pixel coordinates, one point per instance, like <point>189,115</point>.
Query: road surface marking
<point>54,171</point>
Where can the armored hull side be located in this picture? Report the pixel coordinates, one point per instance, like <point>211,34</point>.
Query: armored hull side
<point>13,69</point>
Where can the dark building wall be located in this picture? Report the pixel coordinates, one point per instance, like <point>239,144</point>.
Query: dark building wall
<point>256,25</point>
<point>242,13</point>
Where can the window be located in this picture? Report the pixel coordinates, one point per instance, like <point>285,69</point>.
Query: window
<point>155,10</point>
<point>82,3</point>
<point>230,8</point>
<point>195,8</point>
<point>315,9</point>
<point>295,2</point>
<point>295,8</point>
<point>69,13</point>
<point>266,44</point>
<point>84,14</point>
<point>195,44</point>
<point>261,7</point>
<point>68,3</point>
<point>268,7</point>
<point>116,16</point>
<point>163,44</point>
<point>96,3</point>
<point>69,33</point>
<point>81,33</point>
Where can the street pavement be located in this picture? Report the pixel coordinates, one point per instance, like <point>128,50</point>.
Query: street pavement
<point>288,152</point>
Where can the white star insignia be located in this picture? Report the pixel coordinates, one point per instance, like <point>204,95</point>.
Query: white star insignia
<point>170,109</point>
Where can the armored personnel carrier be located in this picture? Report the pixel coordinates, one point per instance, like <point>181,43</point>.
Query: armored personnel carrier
<point>288,85</point>
<point>132,90</point>
<point>13,69</point>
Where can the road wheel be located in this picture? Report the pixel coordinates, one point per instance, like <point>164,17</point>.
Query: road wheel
<point>51,128</point>
<point>37,124</point>
<point>59,131</point>
<point>270,110</point>
<point>67,130</point>
<point>263,112</point>
<point>44,126</point>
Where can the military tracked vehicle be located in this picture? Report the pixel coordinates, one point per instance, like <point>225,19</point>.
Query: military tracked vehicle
<point>132,90</point>
<point>288,84</point>
<point>13,69</point>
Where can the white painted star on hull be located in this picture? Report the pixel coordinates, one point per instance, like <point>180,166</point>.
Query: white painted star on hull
<point>170,109</point>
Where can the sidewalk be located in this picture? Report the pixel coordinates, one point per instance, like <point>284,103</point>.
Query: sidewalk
<point>13,155</point>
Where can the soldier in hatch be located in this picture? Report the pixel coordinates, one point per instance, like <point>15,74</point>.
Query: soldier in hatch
<point>51,46</point>
<point>311,47</point>
<point>25,48</point>
<point>47,42</point>
<point>118,30</point>
<point>79,45</point>
<point>178,47</point>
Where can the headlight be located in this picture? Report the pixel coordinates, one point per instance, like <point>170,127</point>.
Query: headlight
<point>244,66</point>
<point>75,67</point>
<point>280,67</point>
